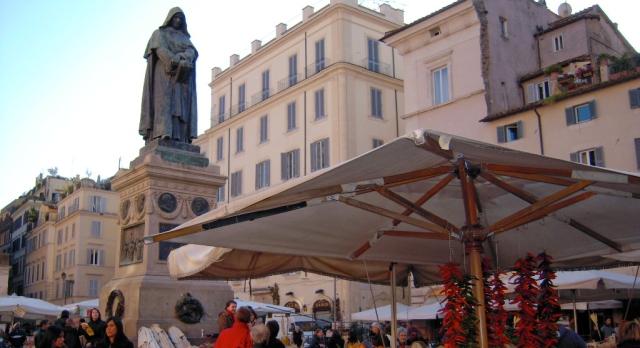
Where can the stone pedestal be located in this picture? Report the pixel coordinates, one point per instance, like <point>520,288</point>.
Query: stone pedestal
<point>168,184</point>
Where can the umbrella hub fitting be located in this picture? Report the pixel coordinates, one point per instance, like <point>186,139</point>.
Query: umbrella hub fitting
<point>472,170</point>
<point>473,236</point>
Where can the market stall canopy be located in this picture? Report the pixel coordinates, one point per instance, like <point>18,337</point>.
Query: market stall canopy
<point>264,308</point>
<point>383,313</point>
<point>411,201</point>
<point>595,305</point>
<point>26,307</point>
<point>594,279</point>
<point>82,307</point>
<point>212,263</point>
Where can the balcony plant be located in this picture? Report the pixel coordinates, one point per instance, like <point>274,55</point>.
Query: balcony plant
<point>553,70</point>
<point>620,67</point>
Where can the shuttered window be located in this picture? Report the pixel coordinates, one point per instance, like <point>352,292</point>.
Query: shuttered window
<point>263,174</point>
<point>290,164</point>
<point>591,157</point>
<point>373,54</point>
<point>293,70</point>
<point>510,132</point>
<point>319,154</point>
<point>236,184</point>
<point>265,85</point>
<point>376,102</point>
<point>220,196</point>
<point>440,85</point>
<point>637,144</point>
<point>239,139</point>
<point>634,98</point>
<point>291,116</point>
<point>264,128</point>
<point>320,58</point>
<point>581,113</point>
<point>95,257</point>
<point>219,149</point>
<point>221,109</point>
<point>319,104</point>
<point>241,97</point>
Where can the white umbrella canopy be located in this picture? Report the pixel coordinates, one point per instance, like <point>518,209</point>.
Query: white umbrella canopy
<point>83,306</point>
<point>403,202</point>
<point>592,280</point>
<point>383,313</point>
<point>27,307</point>
<point>213,263</point>
<point>264,308</point>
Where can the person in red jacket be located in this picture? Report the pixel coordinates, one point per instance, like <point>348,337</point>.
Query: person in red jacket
<point>238,335</point>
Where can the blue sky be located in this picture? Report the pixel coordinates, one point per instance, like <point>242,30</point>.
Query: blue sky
<point>72,72</point>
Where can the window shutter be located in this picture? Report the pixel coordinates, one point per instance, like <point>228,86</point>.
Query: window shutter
<point>634,98</point>
<point>296,163</point>
<point>599,156</point>
<point>101,261</point>
<point>88,256</point>
<point>569,115</point>
<point>283,166</point>
<point>531,91</point>
<point>257,176</point>
<point>325,154</point>
<point>268,173</point>
<point>373,101</point>
<point>592,109</point>
<point>637,142</point>
<point>573,157</point>
<point>314,157</point>
<point>501,135</point>
<point>520,126</point>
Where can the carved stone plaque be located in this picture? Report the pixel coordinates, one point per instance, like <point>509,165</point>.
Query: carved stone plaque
<point>167,202</point>
<point>124,209</point>
<point>199,206</point>
<point>140,199</point>
<point>131,246</point>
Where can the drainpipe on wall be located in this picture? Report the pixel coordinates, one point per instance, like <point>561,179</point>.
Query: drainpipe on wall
<point>539,130</point>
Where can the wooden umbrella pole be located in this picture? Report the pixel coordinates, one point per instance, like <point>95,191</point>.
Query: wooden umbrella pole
<point>394,315</point>
<point>474,249</point>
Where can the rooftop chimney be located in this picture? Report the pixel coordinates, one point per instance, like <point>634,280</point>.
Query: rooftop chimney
<point>280,29</point>
<point>564,9</point>
<point>255,45</point>
<point>234,59</point>
<point>392,14</point>
<point>215,72</point>
<point>307,12</point>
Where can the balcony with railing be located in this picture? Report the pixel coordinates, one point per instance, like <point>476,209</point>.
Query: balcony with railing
<point>377,66</point>
<point>289,81</point>
<point>292,80</point>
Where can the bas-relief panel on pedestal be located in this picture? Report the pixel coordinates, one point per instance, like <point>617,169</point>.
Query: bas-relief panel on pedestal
<point>132,244</point>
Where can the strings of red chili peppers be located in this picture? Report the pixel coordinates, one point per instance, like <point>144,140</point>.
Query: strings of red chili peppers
<point>548,311</point>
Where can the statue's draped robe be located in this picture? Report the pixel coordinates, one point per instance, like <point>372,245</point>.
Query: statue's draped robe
<point>169,97</point>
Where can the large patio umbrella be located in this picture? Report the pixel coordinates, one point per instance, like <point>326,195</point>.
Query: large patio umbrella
<point>431,198</point>
<point>383,313</point>
<point>26,307</point>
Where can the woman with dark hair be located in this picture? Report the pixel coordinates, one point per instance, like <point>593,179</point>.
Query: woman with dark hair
<point>114,335</point>
<point>53,338</point>
<point>93,330</point>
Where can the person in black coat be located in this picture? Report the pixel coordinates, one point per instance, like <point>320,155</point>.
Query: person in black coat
<point>273,341</point>
<point>17,336</point>
<point>53,337</point>
<point>71,335</point>
<point>94,329</point>
<point>114,335</point>
<point>297,336</point>
<point>38,335</point>
<point>62,321</point>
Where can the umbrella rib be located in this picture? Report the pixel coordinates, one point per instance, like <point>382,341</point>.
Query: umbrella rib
<point>391,214</point>
<point>544,211</point>
<point>530,198</point>
<point>428,195</point>
<point>528,170</point>
<point>416,175</point>
<point>536,177</point>
<point>468,194</point>
<point>552,198</point>
<point>416,234</point>
<point>417,209</point>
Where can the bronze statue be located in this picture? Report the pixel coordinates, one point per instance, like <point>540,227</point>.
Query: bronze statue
<point>169,96</point>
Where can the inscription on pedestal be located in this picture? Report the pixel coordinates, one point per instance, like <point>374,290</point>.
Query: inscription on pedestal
<point>132,244</point>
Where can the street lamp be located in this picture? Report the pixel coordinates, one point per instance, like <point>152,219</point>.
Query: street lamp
<point>64,286</point>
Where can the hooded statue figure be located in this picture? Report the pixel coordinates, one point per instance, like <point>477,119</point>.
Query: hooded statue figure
<point>169,96</point>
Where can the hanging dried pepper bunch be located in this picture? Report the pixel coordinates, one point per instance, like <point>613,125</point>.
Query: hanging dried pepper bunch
<point>526,297</point>
<point>548,311</point>
<point>494,292</point>
<point>455,324</point>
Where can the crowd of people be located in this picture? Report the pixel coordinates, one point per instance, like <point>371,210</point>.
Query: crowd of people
<point>242,328</point>
<point>67,332</point>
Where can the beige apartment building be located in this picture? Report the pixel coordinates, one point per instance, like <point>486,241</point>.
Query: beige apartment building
<point>514,72</point>
<point>71,254</point>
<point>319,93</point>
